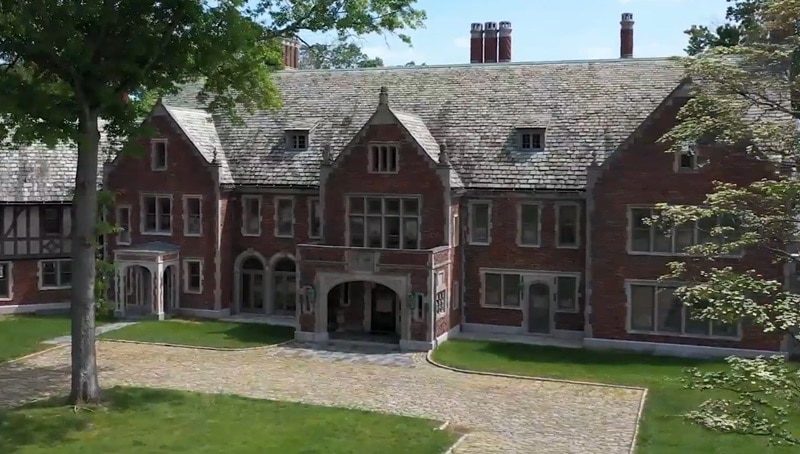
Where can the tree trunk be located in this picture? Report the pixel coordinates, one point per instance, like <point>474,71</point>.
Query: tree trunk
<point>85,386</point>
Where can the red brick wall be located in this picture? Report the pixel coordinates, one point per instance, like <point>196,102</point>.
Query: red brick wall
<point>229,227</point>
<point>504,253</point>
<point>25,286</point>
<point>644,175</point>
<point>187,174</point>
<point>416,176</point>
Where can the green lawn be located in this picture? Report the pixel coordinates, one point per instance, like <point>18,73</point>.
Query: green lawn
<point>663,430</point>
<point>139,420</point>
<point>203,333</point>
<point>23,335</point>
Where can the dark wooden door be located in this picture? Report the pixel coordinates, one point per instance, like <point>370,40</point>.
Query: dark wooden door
<point>384,310</point>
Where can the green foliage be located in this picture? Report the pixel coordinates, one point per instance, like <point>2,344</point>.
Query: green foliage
<point>740,17</point>
<point>340,55</point>
<point>745,99</point>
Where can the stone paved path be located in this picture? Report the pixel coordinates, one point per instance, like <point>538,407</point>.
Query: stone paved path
<point>503,415</point>
<point>97,331</point>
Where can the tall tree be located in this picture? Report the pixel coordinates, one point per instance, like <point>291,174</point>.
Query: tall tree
<point>70,65</point>
<point>740,20</point>
<point>745,98</point>
<point>338,55</point>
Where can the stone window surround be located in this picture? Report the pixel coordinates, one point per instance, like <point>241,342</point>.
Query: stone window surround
<point>471,225</point>
<point>558,207</point>
<point>533,275</point>
<point>629,283</point>
<point>153,148</point>
<point>312,201</point>
<point>455,239</point>
<point>123,236</point>
<point>143,213</point>
<point>268,295</point>
<point>520,206</point>
<point>401,215</point>
<point>58,265</point>
<point>629,234</point>
<point>440,286</point>
<point>186,278</point>
<point>374,150</point>
<point>8,276</point>
<point>246,213</point>
<point>187,216</point>
<point>277,215</point>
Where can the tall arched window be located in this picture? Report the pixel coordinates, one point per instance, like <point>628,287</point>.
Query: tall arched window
<point>284,277</point>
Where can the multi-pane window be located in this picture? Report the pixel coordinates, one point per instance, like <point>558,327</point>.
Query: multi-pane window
<point>652,238</point>
<point>567,293</point>
<point>440,297</point>
<point>193,215</point>
<point>158,154</point>
<point>192,276</point>
<point>284,216</point>
<point>123,219</point>
<point>479,221</point>
<point>656,309</point>
<point>383,159</point>
<point>52,221</point>
<point>568,227</point>
<point>314,219</point>
<point>5,280</point>
<point>251,215</point>
<point>502,290</point>
<point>157,214</point>
<point>55,274</point>
<point>456,234</point>
<point>297,141</point>
<point>531,141</point>
<point>384,222</point>
<point>529,224</point>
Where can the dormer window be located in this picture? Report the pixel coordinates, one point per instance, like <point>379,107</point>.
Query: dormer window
<point>297,140</point>
<point>531,139</point>
<point>158,154</point>
<point>686,159</point>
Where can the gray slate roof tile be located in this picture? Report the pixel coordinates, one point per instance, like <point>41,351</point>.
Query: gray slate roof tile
<point>198,125</point>
<point>588,107</point>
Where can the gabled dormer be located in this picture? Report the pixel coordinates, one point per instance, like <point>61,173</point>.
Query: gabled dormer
<point>531,139</point>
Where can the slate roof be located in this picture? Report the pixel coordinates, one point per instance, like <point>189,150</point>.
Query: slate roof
<point>198,125</point>
<point>37,173</point>
<point>588,108</point>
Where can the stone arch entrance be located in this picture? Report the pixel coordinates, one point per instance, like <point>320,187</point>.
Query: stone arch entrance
<point>249,283</point>
<point>138,288</point>
<point>363,308</point>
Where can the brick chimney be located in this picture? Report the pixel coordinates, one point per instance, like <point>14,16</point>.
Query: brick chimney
<point>626,36</point>
<point>504,55</point>
<point>490,42</point>
<point>476,43</point>
<point>291,53</point>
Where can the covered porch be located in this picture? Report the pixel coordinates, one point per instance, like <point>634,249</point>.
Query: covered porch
<point>147,277</point>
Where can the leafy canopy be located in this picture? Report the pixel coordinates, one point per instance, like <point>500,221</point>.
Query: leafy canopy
<point>745,99</point>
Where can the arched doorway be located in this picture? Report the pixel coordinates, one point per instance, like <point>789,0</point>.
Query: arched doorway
<point>284,287</point>
<point>251,297</point>
<point>365,308</point>
<point>138,290</point>
<point>169,288</point>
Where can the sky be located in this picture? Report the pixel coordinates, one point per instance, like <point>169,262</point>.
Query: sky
<point>546,30</point>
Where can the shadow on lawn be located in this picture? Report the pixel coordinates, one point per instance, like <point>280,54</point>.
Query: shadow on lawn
<point>257,333</point>
<point>50,422</point>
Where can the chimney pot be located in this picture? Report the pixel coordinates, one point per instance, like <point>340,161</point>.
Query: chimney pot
<point>476,43</point>
<point>490,42</point>
<point>504,54</point>
<point>626,36</point>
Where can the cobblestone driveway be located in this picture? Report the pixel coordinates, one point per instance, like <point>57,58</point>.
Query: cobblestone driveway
<point>503,415</point>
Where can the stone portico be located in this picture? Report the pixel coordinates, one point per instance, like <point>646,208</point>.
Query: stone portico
<point>147,279</point>
<point>366,293</point>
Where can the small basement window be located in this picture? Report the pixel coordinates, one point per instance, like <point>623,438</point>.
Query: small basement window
<point>297,140</point>
<point>531,139</point>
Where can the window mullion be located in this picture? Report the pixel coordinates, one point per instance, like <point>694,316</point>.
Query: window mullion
<point>502,290</point>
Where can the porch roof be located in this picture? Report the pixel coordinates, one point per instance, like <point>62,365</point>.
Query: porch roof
<point>151,249</point>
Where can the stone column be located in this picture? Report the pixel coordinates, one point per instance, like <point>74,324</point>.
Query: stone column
<point>158,288</point>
